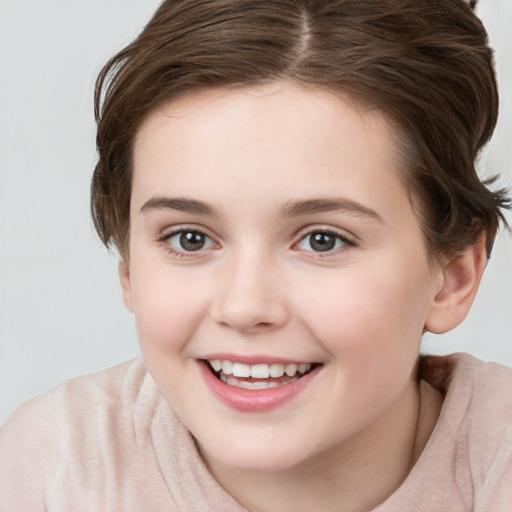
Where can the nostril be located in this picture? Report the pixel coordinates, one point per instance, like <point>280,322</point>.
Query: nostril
<point>248,312</point>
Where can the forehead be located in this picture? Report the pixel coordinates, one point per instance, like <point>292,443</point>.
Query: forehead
<point>211,110</point>
<point>302,139</point>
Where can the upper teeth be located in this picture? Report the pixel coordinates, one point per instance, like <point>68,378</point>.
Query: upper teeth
<point>259,371</point>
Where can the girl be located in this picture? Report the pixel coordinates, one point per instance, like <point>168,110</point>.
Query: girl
<point>291,188</point>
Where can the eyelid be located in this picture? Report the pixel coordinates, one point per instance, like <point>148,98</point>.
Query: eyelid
<point>348,240</point>
<point>168,233</point>
<point>169,230</point>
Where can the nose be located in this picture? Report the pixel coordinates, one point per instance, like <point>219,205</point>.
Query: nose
<point>250,298</point>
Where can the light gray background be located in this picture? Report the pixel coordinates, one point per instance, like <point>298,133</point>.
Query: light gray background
<point>61,313</point>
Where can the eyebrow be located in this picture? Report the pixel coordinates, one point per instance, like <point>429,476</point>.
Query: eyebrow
<point>310,206</point>
<point>290,209</point>
<point>182,204</point>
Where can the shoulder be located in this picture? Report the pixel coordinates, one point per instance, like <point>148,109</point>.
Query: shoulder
<point>477,417</point>
<point>467,462</point>
<point>50,427</point>
<point>86,395</point>
<point>482,390</point>
<point>82,400</point>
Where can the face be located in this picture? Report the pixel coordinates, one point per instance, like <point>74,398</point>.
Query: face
<point>278,275</point>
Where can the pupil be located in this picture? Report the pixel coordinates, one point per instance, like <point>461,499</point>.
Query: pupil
<point>322,242</point>
<point>192,240</point>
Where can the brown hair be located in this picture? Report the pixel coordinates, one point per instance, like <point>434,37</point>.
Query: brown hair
<point>425,63</point>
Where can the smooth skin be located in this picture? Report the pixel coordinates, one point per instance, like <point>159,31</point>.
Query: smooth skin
<point>273,222</point>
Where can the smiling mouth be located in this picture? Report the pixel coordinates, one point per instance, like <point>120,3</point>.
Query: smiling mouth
<point>258,376</point>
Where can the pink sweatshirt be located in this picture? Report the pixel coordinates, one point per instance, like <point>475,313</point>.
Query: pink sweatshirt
<point>109,442</point>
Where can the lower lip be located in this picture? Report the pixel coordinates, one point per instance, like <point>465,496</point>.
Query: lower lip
<point>254,400</point>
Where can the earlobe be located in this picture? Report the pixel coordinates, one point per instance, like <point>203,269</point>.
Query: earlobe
<point>124,278</point>
<point>461,279</point>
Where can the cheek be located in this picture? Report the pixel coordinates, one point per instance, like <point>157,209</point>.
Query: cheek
<point>168,307</point>
<point>368,311</point>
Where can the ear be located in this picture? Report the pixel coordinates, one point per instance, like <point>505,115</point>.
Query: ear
<point>460,280</point>
<point>124,277</point>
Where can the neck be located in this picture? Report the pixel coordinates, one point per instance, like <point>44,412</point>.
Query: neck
<point>361,472</point>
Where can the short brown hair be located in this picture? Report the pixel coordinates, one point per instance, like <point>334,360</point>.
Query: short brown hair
<point>426,63</point>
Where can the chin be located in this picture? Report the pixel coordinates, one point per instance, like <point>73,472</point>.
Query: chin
<point>254,458</point>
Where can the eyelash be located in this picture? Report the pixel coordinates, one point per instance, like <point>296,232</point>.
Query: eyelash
<point>338,238</point>
<point>181,254</point>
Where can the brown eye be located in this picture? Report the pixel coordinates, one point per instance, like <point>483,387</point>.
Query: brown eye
<point>189,240</point>
<point>322,241</point>
<point>192,240</point>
